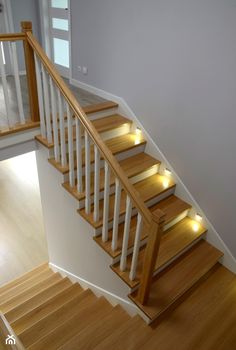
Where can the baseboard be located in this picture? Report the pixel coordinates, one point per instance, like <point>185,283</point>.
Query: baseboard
<point>213,236</point>
<point>98,291</point>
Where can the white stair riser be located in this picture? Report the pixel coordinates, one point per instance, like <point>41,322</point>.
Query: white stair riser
<point>170,224</point>
<point>120,156</point>
<point>134,210</point>
<point>145,174</point>
<point>102,114</point>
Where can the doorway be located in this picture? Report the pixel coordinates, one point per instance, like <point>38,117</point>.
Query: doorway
<point>59,30</point>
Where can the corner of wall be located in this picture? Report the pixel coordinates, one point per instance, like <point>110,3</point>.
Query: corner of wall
<point>152,148</point>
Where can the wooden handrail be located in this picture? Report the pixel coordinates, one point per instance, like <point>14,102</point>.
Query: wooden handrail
<point>31,74</point>
<point>151,253</point>
<point>12,36</point>
<point>88,126</point>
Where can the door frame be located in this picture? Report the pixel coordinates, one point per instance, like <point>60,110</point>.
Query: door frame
<point>44,8</point>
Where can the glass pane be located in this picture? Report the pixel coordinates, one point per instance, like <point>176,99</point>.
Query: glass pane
<point>62,24</point>
<point>60,4</point>
<point>61,52</point>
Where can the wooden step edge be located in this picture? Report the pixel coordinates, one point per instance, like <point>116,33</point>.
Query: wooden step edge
<point>81,196</point>
<point>99,107</point>
<point>159,267</point>
<point>106,246</point>
<point>94,333</point>
<point>19,128</point>
<point>97,225</point>
<point>65,170</point>
<point>6,306</point>
<point>20,288</point>
<point>56,317</point>
<point>175,301</point>
<point>23,277</point>
<point>105,129</point>
<point>40,312</point>
<point>15,313</point>
<point>65,331</point>
<point>6,330</point>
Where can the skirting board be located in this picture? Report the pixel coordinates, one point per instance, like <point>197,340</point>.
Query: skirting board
<point>212,236</point>
<point>130,308</point>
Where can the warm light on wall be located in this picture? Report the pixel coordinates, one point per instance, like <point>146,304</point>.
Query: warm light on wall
<point>195,226</point>
<point>166,182</point>
<point>168,172</point>
<point>198,217</point>
<point>138,131</point>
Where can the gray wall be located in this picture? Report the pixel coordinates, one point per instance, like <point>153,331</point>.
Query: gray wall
<point>25,10</point>
<point>174,62</point>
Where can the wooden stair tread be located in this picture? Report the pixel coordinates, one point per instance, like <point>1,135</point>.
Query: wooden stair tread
<point>96,332</point>
<point>178,278</point>
<point>116,145</point>
<point>102,125</point>
<point>132,166</point>
<point>37,300</point>
<point>29,293</point>
<point>127,335</point>
<point>20,288</point>
<point>49,306</point>
<point>99,107</point>
<point>62,334</point>
<point>23,278</point>
<point>147,189</point>
<point>56,318</point>
<point>174,242</point>
<point>172,206</point>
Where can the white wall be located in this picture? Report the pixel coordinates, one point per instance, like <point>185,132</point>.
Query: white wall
<point>70,238</point>
<point>173,61</point>
<point>25,10</point>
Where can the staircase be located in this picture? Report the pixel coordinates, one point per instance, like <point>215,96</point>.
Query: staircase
<point>46,311</point>
<point>157,245</point>
<point>184,256</point>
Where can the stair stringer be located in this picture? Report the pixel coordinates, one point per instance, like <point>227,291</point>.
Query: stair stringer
<point>181,191</point>
<point>72,251</point>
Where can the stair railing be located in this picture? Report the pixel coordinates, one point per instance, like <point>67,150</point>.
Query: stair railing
<point>59,110</point>
<point>15,112</point>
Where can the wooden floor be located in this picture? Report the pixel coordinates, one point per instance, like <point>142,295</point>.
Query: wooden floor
<point>22,238</point>
<point>85,99</point>
<point>206,320</point>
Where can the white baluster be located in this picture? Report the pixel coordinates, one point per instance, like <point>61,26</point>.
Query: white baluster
<point>40,97</point>
<point>96,183</point>
<point>116,215</point>
<point>17,82</point>
<point>106,203</point>
<point>47,106</point>
<point>79,155</point>
<point>5,88</point>
<point>125,242</point>
<point>54,121</point>
<point>87,173</point>
<point>70,146</point>
<point>134,263</point>
<point>62,129</point>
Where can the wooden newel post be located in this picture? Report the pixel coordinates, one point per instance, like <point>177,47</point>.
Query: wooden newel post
<point>31,74</point>
<point>150,257</point>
